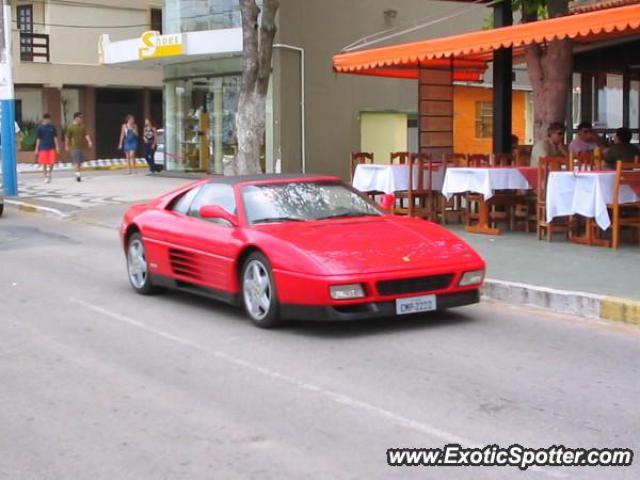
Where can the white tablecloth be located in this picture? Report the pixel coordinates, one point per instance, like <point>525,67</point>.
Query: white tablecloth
<point>391,178</point>
<point>586,194</point>
<point>483,180</point>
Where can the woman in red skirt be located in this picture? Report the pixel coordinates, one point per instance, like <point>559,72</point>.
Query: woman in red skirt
<point>47,146</point>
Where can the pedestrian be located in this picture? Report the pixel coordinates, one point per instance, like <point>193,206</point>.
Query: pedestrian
<point>74,141</point>
<point>622,149</point>
<point>150,139</point>
<point>129,142</point>
<point>585,142</point>
<point>47,146</point>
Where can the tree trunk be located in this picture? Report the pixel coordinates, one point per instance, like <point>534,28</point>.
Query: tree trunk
<point>550,69</point>
<point>256,70</point>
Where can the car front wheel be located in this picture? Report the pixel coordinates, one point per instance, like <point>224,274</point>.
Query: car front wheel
<point>258,291</point>
<point>137,266</point>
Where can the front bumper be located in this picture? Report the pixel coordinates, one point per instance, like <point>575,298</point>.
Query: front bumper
<point>371,310</point>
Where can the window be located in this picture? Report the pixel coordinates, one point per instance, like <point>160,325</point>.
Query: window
<point>484,119</point>
<point>156,19</point>
<point>25,26</point>
<point>184,202</point>
<point>214,194</point>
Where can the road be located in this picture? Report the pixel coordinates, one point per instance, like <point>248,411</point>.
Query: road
<point>98,382</point>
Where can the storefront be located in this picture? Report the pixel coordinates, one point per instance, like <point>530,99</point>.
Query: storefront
<point>201,64</point>
<point>200,116</point>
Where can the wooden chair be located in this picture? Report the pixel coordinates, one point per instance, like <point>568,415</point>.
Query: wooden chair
<point>401,158</point>
<point>452,209</point>
<point>522,155</point>
<point>357,158</point>
<point>503,160</point>
<point>546,165</point>
<point>478,160</point>
<point>455,159</point>
<point>626,215</point>
<point>420,196</point>
<point>471,199</point>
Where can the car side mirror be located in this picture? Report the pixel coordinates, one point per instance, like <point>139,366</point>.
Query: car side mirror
<point>216,211</point>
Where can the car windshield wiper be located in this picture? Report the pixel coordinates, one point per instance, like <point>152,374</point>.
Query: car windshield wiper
<point>346,215</point>
<point>278,219</point>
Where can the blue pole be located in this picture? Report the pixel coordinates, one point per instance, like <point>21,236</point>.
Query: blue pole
<point>9,170</point>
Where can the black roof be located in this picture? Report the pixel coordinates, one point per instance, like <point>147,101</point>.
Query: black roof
<point>234,180</point>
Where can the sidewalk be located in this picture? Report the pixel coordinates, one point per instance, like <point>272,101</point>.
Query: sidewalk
<point>586,281</point>
<point>102,164</point>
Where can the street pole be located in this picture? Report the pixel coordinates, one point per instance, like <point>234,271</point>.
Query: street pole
<point>7,120</point>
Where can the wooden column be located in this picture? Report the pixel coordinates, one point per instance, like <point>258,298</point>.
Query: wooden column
<point>88,109</point>
<point>52,104</point>
<point>435,110</point>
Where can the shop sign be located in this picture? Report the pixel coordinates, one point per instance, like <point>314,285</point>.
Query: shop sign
<point>155,45</point>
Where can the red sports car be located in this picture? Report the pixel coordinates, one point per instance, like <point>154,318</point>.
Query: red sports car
<point>296,247</point>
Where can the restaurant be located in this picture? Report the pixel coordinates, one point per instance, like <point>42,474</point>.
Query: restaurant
<point>570,195</point>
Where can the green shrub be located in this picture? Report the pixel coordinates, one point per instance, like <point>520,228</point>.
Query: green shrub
<point>28,130</point>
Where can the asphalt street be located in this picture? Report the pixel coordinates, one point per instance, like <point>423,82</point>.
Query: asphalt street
<point>97,382</point>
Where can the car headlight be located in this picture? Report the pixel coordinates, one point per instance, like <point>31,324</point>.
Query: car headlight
<point>346,292</point>
<point>471,278</point>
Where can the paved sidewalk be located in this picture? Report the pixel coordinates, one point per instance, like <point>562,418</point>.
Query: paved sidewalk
<point>520,257</point>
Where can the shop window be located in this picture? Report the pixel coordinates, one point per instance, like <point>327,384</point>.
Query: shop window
<point>484,119</point>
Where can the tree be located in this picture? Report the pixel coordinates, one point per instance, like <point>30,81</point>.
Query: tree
<point>258,32</point>
<point>550,66</point>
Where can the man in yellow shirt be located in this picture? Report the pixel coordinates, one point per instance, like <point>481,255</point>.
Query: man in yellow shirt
<point>75,139</point>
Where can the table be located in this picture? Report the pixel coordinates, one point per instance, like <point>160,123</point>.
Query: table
<point>485,181</point>
<point>586,194</point>
<point>370,177</point>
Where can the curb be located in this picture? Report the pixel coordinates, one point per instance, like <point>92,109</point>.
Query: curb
<point>581,304</point>
<point>31,208</point>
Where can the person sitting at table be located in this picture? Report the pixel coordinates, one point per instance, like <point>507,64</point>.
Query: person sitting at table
<point>622,149</point>
<point>585,142</point>
<point>552,146</point>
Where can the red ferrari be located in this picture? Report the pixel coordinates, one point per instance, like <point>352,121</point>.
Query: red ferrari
<point>296,247</point>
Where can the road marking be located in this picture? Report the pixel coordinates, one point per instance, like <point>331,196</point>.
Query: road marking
<point>342,399</point>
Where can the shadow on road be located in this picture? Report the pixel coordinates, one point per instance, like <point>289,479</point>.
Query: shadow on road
<point>379,326</point>
<point>335,330</point>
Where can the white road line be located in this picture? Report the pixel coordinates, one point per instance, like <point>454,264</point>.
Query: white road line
<point>421,427</point>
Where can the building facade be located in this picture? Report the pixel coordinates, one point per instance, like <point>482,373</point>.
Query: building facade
<point>315,118</point>
<point>57,69</point>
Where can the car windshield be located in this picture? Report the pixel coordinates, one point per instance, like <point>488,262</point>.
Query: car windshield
<point>302,201</point>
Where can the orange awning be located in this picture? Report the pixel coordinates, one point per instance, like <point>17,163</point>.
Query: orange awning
<point>472,51</point>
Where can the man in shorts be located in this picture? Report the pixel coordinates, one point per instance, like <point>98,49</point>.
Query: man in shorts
<point>47,146</point>
<point>74,141</point>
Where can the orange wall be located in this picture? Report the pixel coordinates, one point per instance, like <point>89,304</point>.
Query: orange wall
<point>464,118</point>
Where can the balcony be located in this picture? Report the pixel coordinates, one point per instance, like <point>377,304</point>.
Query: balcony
<point>34,47</point>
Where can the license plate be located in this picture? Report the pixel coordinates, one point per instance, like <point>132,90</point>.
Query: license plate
<point>424,303</point>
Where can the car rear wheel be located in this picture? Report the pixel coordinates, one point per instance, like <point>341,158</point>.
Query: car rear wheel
<point>258,291</point>
<point>137,266</point>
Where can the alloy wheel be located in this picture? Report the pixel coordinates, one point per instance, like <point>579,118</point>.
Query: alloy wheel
<point>257,291</point>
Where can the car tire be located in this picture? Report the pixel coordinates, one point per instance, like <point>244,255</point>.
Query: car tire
<point>258,291</point>
<point>1,208</point>
<point>137,266</point>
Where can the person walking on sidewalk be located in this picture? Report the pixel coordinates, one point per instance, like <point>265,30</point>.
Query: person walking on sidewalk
<point>74,141</point>
<point>47,146</point>
<point>129,141</point>
<point>150,139</point>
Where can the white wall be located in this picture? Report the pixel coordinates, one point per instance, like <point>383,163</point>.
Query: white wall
<point>31,102</point>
